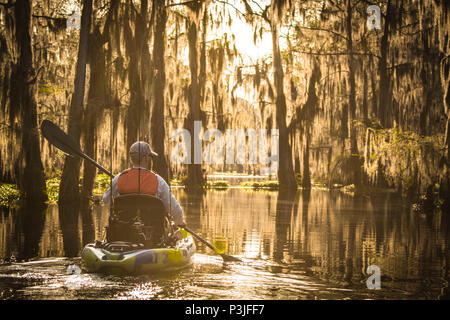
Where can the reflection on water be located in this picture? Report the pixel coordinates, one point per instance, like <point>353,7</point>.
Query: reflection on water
<point>295,245</point>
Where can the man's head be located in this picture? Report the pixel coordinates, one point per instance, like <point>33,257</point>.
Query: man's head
<point>141,154</point>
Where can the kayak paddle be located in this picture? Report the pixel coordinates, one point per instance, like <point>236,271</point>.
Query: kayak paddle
<point>66,144</point>
<point>225,257</point>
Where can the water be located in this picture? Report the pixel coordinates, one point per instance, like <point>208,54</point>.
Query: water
<point>304,245</point>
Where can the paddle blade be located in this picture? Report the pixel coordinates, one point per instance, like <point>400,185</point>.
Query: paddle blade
<point>59,138</point>
<point>224,256</point>
<point>220,244</point>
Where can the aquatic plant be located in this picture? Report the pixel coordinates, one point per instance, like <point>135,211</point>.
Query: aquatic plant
<point>8,194</point>
<point>217,184</point>
<point>102,183</point>
<point>267,185</point>
<point>52,189</point>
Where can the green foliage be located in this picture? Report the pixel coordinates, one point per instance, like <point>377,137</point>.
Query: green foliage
<point>48,88</point>
<point>298,177</point>
<point>178,181</point>
<point>52,173</point>
<point>53,189</point>
<point>218,184</point>
<point>9,194</point>
<point>340,168</point>
<point>102,183</point>
<point>364,190</point>
<point>351,188</point>
<point>406,158</point>
<point>319,181</point>
<point>267,185</point>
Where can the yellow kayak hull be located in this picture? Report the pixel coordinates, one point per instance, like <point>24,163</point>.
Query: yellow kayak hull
<point>141,261</point>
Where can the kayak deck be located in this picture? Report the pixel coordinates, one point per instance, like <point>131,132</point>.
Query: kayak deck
<point>97,259</point>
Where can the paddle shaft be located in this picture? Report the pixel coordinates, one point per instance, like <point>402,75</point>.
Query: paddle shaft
<point>200,239</point>
<point>85,156</point>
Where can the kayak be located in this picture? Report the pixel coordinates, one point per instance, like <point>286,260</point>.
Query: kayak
<point>127,258</point>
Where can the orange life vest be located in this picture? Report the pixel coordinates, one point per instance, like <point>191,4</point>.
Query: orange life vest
<point>137,180</point>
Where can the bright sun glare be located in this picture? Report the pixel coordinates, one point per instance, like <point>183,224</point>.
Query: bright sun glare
<point>249,52</point>
<point>243,34</point>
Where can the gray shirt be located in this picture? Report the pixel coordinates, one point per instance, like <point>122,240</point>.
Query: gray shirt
<point>170,203</point>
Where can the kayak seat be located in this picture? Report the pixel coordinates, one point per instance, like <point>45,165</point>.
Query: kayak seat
<point>139,218</point>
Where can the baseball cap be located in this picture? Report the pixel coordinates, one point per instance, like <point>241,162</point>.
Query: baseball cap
<point>142,148</point>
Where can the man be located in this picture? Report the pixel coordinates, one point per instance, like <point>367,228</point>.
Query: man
<point>140,179</point>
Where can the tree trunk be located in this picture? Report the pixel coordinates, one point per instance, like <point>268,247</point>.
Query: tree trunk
<point>306,177</point>
<point>131,119</point>
<point>374,100</point>
<point>29,169</point>
<point>309,113</point>
<point>159,83</point>
<point>365,93</point>
<point>296,147</point>
<point>69,189</point>
<point>384,107</point>
<point>95,106</point>
<point>195,176</point>
<point>285,170</point>
<point>202,71</point>
<point>356,163</point>
<point>442,10</point>
<point>135,48</point>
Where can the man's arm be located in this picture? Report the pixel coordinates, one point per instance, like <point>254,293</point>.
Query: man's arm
<point>170,203</point>
<point>107,194</point>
